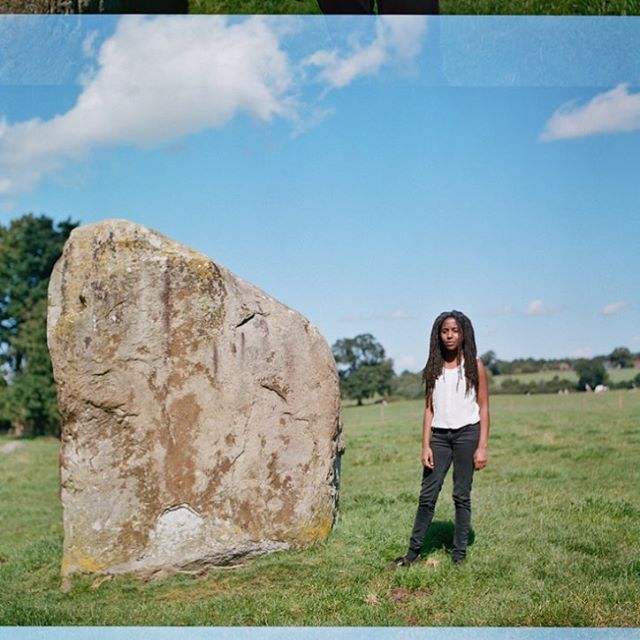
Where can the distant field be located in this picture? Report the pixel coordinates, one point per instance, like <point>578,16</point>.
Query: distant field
<point>615,375</point>
<point>473,7</point>
<point>555,535</point>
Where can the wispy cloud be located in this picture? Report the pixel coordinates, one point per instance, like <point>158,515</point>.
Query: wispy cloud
<point>614,308</point>
<point>89,44</point>
<point>536,308</point>
<point>582,352</point>
<point>395,315</point>
<point>402,363</point>
<point>156,80</point>
<point>398,39</point>
<point>391,315</point>
<point>504,310</point>
<point>614,111</point>
<point>539,308</point>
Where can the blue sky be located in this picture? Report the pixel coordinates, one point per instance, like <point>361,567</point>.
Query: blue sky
<point>367,172</point>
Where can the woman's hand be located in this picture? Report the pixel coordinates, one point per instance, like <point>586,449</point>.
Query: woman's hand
<point>480,458</point>
<point>427,458</point>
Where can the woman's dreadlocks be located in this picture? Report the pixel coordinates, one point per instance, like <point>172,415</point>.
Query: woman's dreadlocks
<point>466,351</point>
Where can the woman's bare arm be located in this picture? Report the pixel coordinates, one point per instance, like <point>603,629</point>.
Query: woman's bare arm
<point>481,456</point>
<point>427,454</point>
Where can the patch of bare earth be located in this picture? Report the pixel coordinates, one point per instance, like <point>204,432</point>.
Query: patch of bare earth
<point>402,595</point>
<point>403,598</point>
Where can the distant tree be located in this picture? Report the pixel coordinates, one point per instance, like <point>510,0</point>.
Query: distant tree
<point>490,361</point>
<point>621,357</point>
<point>527,365</point>
<point>368,380</point>
<point>590,372</point>
<point>29,247</point>
<point>363,368</point>
<point>408,385</point>
<point>351,353</point>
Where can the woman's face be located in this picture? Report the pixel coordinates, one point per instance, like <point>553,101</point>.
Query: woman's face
<point>450,334</point>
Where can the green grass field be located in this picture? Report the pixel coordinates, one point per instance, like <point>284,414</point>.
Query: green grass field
<point>463,7</point>
<point>615,375</point>
<point>555,535</point>
<point>254,6</point>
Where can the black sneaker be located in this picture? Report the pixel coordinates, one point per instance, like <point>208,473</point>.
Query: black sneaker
<point>401,561</point>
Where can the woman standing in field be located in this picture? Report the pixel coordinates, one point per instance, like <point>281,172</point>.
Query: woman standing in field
<point>455,428</point>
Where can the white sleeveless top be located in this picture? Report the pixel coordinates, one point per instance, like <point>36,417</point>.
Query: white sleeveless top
<point>452,406</point>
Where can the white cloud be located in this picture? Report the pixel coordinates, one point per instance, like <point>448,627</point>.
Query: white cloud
<point>582,352</point>
<point>539,308</point>
<point>635,339</point>
<point>614,111</point>
<point>615,307</point>
<point>401,363</point>
<point>536,308</point>
<point>157,79</point>
<point>398,39</point>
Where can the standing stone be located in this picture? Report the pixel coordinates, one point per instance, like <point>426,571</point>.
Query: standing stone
<point>200,416</point>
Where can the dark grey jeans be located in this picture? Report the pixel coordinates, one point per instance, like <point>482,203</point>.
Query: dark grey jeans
<point>448,445</point>
<point>384,6</point>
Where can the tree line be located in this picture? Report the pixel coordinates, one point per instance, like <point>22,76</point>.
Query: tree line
<point>366,372</point>
<point>31,245</point>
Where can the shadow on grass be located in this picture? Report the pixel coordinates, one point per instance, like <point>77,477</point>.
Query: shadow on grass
<point>439,535</point>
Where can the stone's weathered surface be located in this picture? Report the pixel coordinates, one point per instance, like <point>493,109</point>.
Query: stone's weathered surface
<point>200,416</point>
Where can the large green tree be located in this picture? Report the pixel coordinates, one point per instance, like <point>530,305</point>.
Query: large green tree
<point>363,367</point>
<point>590,372</point>
<point>29,247</point>
<point>621,357</point>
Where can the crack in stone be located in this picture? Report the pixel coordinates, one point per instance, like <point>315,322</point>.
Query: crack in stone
<point>101,373</point>
<point>106,409</point>
<point>233,460</point>
<point>170,430</point>
<point>116,305</point>
<point>276,391</point>
<point>244,440</point>
<point>296,418</point>
<point>182,505</point>
<point>115,410</point>
<point>249,318</point>
<point>122,415</point>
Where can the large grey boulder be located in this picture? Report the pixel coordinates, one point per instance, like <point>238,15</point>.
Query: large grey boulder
<point>200,416</point>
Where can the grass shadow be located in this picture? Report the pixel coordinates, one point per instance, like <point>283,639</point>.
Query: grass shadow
<point>439,535</point>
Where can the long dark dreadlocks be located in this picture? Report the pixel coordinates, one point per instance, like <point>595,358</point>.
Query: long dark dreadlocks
<point>467,350</point>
